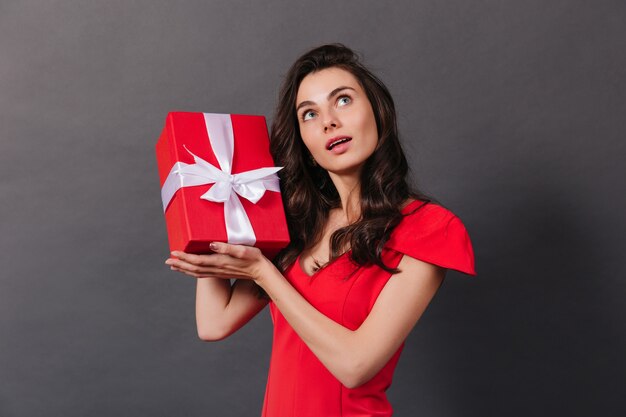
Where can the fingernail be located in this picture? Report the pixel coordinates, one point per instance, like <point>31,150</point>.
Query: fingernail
<point>213,246</point>
<point>175,253</point>
<point>168,262</point>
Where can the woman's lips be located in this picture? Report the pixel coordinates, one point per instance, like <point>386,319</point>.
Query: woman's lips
<point>340,146</point>
<point>337,141</point>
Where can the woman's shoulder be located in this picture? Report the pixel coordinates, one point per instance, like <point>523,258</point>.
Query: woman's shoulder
<point>434,234</point>
<point>425,216</point>
<point>415,206</point>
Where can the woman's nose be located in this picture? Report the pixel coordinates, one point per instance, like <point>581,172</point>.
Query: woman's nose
<point>330,123</point>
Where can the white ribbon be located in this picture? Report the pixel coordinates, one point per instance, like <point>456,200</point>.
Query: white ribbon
<point>250,185</point>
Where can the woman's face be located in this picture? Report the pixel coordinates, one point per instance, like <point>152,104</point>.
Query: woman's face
<point>336,120</point>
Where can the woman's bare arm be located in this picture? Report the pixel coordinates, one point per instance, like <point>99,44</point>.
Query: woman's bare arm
<point>352,356</point>
<point>222,309</point>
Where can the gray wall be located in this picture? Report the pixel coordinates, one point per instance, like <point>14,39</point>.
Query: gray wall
<point>512,115</point>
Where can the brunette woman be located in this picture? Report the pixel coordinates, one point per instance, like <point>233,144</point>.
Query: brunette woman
<point>366,255</point>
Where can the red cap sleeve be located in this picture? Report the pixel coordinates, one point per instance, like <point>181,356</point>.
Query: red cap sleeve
<point>435,235</point>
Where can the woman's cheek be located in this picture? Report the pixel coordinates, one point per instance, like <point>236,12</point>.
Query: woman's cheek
<point>308,141</point>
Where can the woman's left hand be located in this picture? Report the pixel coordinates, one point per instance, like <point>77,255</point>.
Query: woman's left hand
<point>228,261</point>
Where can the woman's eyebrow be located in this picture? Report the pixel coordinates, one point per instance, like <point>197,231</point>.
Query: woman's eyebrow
<point>304,103</point>
<point>330,95</point>
<point>337,90</point>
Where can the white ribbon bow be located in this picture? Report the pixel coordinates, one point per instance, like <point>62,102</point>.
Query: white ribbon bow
<point>250,185</point>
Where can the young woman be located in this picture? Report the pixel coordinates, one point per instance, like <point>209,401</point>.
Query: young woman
<point>366,255</point>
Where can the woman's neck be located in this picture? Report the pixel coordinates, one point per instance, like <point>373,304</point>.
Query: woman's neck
<point>349,189</point>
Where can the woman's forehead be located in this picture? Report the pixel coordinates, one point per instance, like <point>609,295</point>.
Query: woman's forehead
<point>317,85</point>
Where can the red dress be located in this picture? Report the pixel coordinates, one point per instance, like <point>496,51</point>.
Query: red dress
<point>298,384</point>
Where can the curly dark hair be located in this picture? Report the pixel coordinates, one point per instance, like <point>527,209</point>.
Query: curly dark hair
<point>308,192</point>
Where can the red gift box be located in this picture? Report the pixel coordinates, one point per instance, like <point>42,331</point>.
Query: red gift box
<point>218,183</point>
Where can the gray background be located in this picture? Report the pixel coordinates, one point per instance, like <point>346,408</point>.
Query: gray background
<point>512,114</point>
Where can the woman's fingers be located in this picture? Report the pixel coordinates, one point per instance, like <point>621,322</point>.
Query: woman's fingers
<point>203,272</point>
<point>190,257</point>
<point>228,261</point>
<point>180,264</point>
<point>199,263</point>
<point>236,251</point>
<point>193,274</point>
<point>219,266</point>
<point>206,268</point>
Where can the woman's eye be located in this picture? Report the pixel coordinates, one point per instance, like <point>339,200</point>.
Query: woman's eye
<point>307,115</point>
<point>342,101</point>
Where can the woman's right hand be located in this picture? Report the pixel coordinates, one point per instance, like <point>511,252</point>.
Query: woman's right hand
<point>188,264</point>
<point>228,261</point>
<point>221,309</point>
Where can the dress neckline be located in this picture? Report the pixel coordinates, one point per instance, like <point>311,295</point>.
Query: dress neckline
<point>300,269</point>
